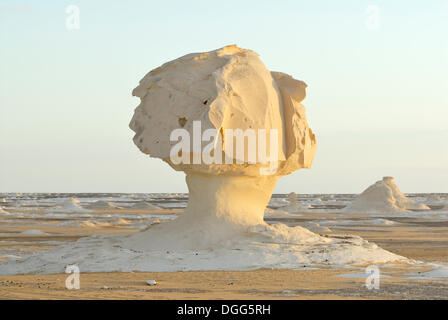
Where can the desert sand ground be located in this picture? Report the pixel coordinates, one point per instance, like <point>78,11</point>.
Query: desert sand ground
<point>415,238</point>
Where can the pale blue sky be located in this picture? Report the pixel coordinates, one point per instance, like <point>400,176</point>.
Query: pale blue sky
<point>377,99</point>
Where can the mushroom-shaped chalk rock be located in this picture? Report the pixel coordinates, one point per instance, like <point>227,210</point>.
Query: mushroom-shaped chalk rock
<point>194,111</point>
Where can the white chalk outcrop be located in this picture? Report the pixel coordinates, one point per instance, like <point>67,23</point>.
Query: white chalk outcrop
<point>94,224</point>
<point>438,201</point>
<point>101,205</point>
<point>144,205</point>
<point>68,206</point>
<point>123,222</point>
<point>384,197</point>
<point>34,232</point>
<point>294,204</point>
<point>3,211</point>
<point>222,227</point>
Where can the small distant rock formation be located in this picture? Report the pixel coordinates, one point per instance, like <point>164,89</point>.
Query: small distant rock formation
<point>384,197</point>
<point>294,204</point>
<point>438,201</point>
<point>95,224</point>
<point>315,227</point>
<point>144,205</point>
<point>123,222</point>
<point>68,206</point>
<point>98,205</point>
<point>34,232</point>
<point>3,211</point>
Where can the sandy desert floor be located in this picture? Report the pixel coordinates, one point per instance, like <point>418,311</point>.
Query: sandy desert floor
<point>257,284</point>
<point>416,238</point>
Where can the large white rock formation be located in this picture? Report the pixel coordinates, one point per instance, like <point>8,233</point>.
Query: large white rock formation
<point>228,88</point>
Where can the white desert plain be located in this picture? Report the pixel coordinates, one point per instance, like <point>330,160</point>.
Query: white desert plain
<point>235,129</point>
